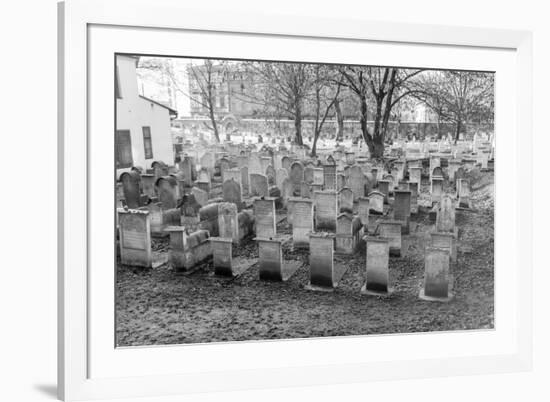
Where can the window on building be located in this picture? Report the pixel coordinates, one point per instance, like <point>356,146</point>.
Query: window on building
<point>123,150</point>
<point>118,93</point>
<point>147,142</point>
<point>222,101</point>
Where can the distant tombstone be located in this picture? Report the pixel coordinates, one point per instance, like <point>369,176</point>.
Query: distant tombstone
<point>434,162</point>
<point>321,261</point>
<point>296,174</point>
<point>437,172</point>
<point>391,182</point>
<point>384,188</point>
<point>460,173</point>
<point>445,221</point>
<point>415,174</point>
<point>222,255</point>
<point>270,173</point>
<point>232,193</point>
<point>228,224</point>
<point>329,177</point>
<point>131,184</point>
<point>350,158</point>
<point>232,174</point>
<point>302,221</point>
<point>436,189</point>
<point>348,234</point>
<point>392,231</point>
<point>464,193</point>
<point>402,209</point>
<point>135,238</point>
<point>224,166</point>
<point>166,189</point>
<point>258,185</point>
<point>209,219</point>
<point>345,200</point>
<point>378,273</point>
<point>340,181</point>
<point>242,160</point>
<point>245,180</point>
<point>271,264</point>
<point>265,218</point>
<point>308,175</point>
<point>413,186</point>
<point>186,168</point>
<point>376,202</point>
<point>436,285</point>
<point>454,164</point>
<point>318,177</point>
<point>207,162</point>
<point>148,184</point>
<point>281,175</point>
<point>305,191</point>
<point>331,160</point>
<point>356,181</point>
<point>286,162</point>
<point>254,165</point>
<point>187,250</point>
<point>363,208</point>
<point>403,185</point>
<point>204,175</point>
<point>287,190</point>
<point>203,185</point>
<point>325,210</point>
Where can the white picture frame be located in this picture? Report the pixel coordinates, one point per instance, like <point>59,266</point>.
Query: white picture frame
<point>78,377</point>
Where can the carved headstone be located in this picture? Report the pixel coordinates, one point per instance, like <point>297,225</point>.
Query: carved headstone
<point>326,204</point>
<point>378,273</point>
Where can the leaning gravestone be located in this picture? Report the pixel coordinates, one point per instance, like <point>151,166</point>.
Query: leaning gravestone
<point>437,283</point>
<point>326,210</point>
<point>200,195</point>
<point>264,213</point>
<point>258,185</point>
<point>378,273</point>
<point>302,221</point>
<point>363,208</point>
<point>131,184</point>
<point>345,200</point>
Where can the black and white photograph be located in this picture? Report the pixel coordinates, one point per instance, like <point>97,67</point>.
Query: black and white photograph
<point>267,200</point>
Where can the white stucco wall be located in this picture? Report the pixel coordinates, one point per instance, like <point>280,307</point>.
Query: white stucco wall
<point>134,112</point>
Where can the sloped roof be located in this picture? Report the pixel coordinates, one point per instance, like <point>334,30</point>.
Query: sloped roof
<point>171,111</point>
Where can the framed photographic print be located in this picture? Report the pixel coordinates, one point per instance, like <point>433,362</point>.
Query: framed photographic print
<point>259,201</point>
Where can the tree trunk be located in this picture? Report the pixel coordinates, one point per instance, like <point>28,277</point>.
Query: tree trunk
<point>298,125</point>
<point>314,146</point>
<point>340,120</point>
<point>458,127</point>
<point>214,126</point>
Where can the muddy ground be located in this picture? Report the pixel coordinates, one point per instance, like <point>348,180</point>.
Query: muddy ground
<point>162,306</point>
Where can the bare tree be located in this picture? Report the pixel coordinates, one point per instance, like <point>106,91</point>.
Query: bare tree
<point>384,86</point>
<point>457,96</point>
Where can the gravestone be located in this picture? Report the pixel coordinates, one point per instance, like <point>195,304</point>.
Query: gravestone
<point>363,208</point>
<point>265,161</point>
<point>437,283</point>
<point>135,238</point>
<point>340,181</point>
<point>321,262</point>
<point>403,185</point>
<point>445,241</point>
<point>445,220</point>
<point>378,273</point>
<point>200,195</point>
<point>305,191</point>
<point>270,173</point>
<point>232,193</point>
<point>258,185</point>
<point>286,162</point>
<point>232,174</point>
<point>308,175</point>
<point>436,189</point>
<point>131,186</point>
<point>376,202</point>
<point>302,221</point>
<point>463,186</point>
<point>415,174</point>
<point>437,172</point>
<point>326,210</point>
<point>296,175</point>
<point>271,264</point>
<point>402,209</point>
<point>384,188</point>
<point>222,258</point>
<point>265,218</point>
<point>348,233</point>
<point>391,230</point>
<point>254,165</point>
<point>281,175</point>
<point>345,200</point>
<point>434,162</point>
<point>186,168</point>
<point>356,181</point>
<point>329,177</point>
<point>414,197</point>
<point>166,189</point>
<point>208,216</point>
<point>148,184</point>
<point>391,183</point>
<point>207,162</point>
<point>318,177</point>
<point>228,224</point>
<point>287,191</point>
<point>245,181</point>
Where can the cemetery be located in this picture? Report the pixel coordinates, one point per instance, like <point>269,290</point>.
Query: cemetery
<point>244,240</point>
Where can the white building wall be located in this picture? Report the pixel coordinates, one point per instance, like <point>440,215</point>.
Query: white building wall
<point>134,112</point>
